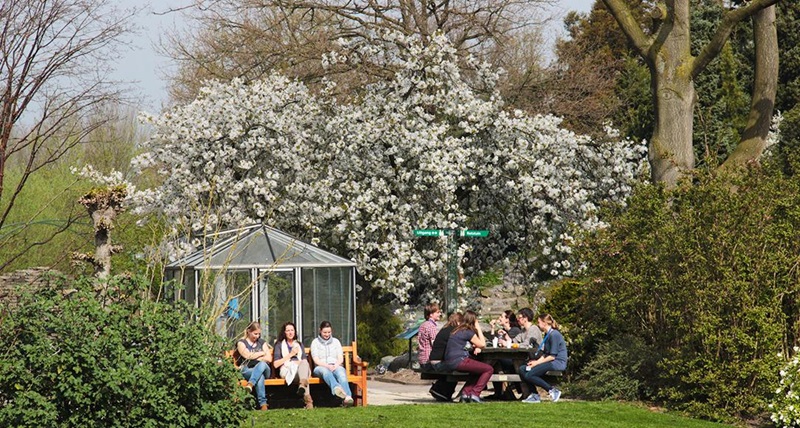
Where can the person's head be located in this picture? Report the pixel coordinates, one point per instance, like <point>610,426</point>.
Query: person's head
<point>325,330</point>
<point>253,331</point>
<point>546,322</point>
<point>468,322</point>
<point>455,319</point>
<point>512,319</point>
<point>288,332</point>
<point>432,312</point>
<point>525,317</point>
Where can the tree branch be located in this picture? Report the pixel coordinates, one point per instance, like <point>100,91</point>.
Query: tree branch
<point>622,14</point>
<point>712,49</point>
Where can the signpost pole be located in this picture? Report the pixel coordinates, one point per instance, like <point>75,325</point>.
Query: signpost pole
<point>450,303</point>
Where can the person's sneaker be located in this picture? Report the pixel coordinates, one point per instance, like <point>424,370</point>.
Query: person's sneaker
<point>465,399</point>
<point>438,396</point>
<point>476,399</point>
<point>533,398</point>
<point>339,392</point>
<point>555,394</point>
<point>348,401</point>
<point>249,387</point>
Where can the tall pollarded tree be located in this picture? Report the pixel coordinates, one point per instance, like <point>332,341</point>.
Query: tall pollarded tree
<point>54,74</point>
<point>673,70</point>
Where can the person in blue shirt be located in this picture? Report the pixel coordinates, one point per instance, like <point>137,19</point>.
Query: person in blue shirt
<point>552,356</point>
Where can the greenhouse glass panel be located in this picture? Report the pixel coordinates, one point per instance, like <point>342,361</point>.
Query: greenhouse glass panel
<point>276,301</point>
<point>327,295</point>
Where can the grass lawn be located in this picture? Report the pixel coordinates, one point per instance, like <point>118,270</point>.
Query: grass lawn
<point>501,415</point>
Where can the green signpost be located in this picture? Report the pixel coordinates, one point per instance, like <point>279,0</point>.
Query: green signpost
<point>450,292</point>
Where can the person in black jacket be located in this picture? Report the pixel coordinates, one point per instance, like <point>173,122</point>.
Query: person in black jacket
<point>442,389</point>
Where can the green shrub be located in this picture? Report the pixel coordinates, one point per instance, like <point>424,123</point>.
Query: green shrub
<point>76,358</point>
<point>618,371</point>
<point>377,327</point>
<point>706,277</point>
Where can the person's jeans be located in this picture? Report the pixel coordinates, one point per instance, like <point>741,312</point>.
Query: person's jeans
<point>256,376</point>
<point>482,372</point>
<point>534,375</point>
<point>335,378</point>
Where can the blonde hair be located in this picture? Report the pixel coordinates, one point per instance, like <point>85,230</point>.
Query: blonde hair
<point>548,319</point>
<point>253,326</point>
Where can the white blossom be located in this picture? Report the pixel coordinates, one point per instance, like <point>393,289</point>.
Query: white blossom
<point>420,151</point>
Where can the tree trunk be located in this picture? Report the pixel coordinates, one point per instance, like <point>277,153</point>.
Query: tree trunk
<point>673,70</point>
<point>765,87</point>
<point>670,152</point>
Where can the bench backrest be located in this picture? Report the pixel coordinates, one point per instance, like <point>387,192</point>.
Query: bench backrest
<point>348,351</point>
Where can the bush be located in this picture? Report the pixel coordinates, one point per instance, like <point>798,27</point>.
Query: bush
<point>705,276</point>
<point>377,327</point>
<point>81,359</point>
<point>619,371</point>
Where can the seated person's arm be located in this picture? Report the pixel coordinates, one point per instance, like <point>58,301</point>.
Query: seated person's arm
<point>246,354</point>
<point>478,340</point>
<point>267,357</point>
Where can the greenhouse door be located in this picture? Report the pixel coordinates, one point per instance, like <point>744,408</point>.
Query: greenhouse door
<point>276,301</point>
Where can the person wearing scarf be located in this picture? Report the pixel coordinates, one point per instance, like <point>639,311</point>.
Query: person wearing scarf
<point>291,362</point>
<point>326,352</point>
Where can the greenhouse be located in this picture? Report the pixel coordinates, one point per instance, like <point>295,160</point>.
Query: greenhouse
<point>260,273</point>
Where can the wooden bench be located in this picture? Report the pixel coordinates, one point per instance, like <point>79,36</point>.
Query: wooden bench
<point>356,373</point>
<point>456,376</point>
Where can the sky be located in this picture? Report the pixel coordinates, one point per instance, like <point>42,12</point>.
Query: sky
<point>146,69</point>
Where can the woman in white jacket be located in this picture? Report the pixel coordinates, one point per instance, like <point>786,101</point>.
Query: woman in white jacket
<point>326,351</point>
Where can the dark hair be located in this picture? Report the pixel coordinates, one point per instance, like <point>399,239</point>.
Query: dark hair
<point>527,313</point>
<point>512,319</point>
<point>454,320</point>
<point>282,333</point>
<point>468,323</point>
<point>431,308</point>
<point>324,324</point>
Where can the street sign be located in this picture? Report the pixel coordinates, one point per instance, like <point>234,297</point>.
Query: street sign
<point>428,232</point>
<point>473,233</point>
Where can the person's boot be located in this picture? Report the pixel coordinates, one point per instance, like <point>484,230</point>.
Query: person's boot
<point>264,407</point>
<point>303,390</point>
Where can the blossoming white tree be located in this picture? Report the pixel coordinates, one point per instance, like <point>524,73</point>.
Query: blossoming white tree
<point>423,150</point>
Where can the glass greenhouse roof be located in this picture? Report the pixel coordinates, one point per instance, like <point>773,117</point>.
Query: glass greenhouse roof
<point>258,246</point>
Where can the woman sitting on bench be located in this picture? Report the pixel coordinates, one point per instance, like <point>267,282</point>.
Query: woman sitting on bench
<point>291,362</point>
<point>551,355</point>
<point>253,360</point>
<point>456,357</point>
<point>326,351</point>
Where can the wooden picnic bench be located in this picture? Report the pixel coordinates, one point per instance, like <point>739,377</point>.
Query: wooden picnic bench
<point>356,373</point>
<point>457,376</point>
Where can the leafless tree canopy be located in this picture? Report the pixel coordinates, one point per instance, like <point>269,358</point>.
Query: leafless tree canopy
<point>54,74</point>
<point>250,38</point>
